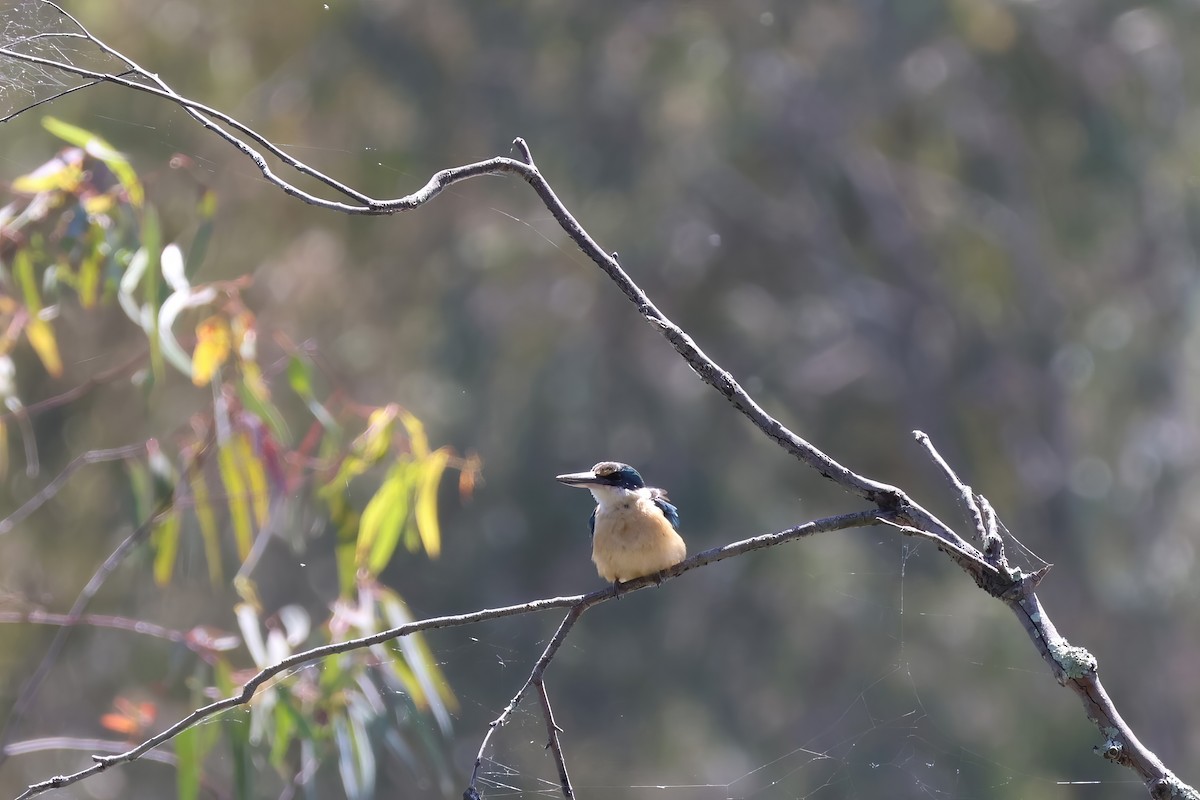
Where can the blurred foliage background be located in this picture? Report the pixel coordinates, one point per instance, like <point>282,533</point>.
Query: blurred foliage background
<point>971,217</point>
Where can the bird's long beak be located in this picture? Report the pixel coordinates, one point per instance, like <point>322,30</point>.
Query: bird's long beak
<point>580,479</point>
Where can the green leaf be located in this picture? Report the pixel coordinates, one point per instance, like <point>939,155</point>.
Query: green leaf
<point>286,716</point>
<point>88,282</point>
<point>431,470</point>
<point>262,408</point>
<point>191,748</point>
<point>383,519</point>
<point>23,273</point>
<point>241,755</point>
<point>299,373</point>
<point>347,567</point>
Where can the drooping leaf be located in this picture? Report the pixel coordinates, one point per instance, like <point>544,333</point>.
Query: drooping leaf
<point>256,478</point>
<point>41,337</point>
<point>165,538</point>
<point>208,524</point>
<point>37,330</point>
<point>383,519</point>
<point>88,284</point>
<point>431,469</point>
<point>418,667</point>
<point>237,495</point>
<point>418,440</point>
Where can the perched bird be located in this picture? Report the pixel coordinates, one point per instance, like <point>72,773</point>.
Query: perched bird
<point>633,525</point>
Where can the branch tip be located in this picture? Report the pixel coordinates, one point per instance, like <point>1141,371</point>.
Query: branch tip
<point>522,147</point>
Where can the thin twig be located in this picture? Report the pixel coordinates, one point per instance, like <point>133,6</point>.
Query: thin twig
<point>553,744</point>
<point>30,688</point>
<point>963,492</point>
<point>895,507</point>
<point>55,486</point>
<point>79,390</point>
<point>539,667</point>
<point>38,616</point>
<point>58,95</point>
<point>582,602</point>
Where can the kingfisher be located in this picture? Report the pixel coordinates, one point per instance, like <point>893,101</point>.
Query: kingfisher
<point>634,527</point>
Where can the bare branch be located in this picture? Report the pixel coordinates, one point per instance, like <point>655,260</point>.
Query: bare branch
<point>553,744</point>
<point>38,616</point>
<point>55,486</point>
<point>576,603</point>
<point>79,390</point>
<point>965,496</point>
<point>1071,665</point>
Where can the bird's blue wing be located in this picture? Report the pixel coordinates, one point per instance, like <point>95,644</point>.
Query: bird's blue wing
<point>669,511</point>
<point>592,522</point>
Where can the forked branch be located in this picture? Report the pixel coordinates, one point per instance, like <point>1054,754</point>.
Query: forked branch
<point>1071,666</point>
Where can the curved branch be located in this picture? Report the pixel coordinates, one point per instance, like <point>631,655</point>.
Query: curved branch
<point>576,603</point>
<point>1071,665</point>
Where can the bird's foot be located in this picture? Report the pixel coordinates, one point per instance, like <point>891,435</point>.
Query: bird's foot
<point>617,589</point>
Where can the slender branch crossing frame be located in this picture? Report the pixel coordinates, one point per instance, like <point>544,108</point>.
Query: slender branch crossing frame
<point>1072,666</point>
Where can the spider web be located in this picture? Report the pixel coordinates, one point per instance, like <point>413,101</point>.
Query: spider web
<point>39,29</point>
<point>892,733</point>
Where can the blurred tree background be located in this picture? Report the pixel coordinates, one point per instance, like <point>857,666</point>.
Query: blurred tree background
<point>972,217</point>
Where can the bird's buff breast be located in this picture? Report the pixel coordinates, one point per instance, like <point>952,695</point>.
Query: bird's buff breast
<point>634,539</point>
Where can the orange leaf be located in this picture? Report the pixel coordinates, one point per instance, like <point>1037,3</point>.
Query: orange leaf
<point>213,343</point>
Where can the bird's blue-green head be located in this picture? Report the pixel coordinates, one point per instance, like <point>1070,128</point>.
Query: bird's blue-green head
<point>606,474</point>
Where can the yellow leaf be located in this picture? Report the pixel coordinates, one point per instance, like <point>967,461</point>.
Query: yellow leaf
<point>89,277</point>
<point>165,539</point>
<point>418,442</point>
<point>208,525</point>
<point>213,344</point>
<point>63,172</point>
<point>256,477</point>
<point>426,509</point>
<point>235,490</point>
<point>41,336</point>
<point>372,443</point>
